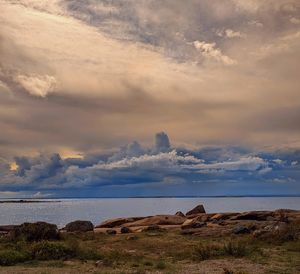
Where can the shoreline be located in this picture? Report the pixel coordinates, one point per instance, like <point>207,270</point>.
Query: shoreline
<point>157,197</point>
<point>196,218</point>
<point>27,201</point>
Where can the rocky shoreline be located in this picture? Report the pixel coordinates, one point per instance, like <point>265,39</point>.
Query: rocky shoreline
<point>194,222</point>
<point>198,222</point>
<point>194,242</point>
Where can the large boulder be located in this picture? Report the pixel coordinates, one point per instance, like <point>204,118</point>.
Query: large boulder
<point>118,222</point>
<point>79,226</point>
<point>199,209</point>
<point>36,231</point>
<point>159,220</point>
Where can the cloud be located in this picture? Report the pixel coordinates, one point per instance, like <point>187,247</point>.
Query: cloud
<point>115,71</point>
<point>37,85</point>
<point>162,143</point>
<point>210,51</point>
<point>45,175</point>
<point>39,195</point>
<point>233,34</point>
<point>295,21</point>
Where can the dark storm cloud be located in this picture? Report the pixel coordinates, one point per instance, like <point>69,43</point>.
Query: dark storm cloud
<point>134,165</point>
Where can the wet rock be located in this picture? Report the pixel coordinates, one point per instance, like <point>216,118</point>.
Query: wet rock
<point>197,210</point>
<point>79,226</point>
<point>125,230</point>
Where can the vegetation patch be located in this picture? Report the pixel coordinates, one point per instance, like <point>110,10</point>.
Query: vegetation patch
<point>46,250</point>
<point>12,257</point>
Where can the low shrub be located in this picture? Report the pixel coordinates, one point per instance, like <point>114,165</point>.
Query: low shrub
<point>35,232</point>
<point>12,257</point>
<point>46,250</point>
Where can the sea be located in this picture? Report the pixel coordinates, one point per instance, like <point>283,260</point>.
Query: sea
<point>96,210</point>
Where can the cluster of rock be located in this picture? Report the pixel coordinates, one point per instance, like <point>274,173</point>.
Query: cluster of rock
<point>195,221</point>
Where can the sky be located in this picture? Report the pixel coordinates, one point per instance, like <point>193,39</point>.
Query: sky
<point>113,98</point>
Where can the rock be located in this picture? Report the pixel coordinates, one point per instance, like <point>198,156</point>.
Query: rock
<point>253,215</point>
<point>36,231</point>
<point>79,226</point>
<point>222,216</point>
<point>99,263</point>
<point>239,229</point>
<point>204,216</point>
<point>179,213</point>
<point>125,230</point>
<point>159,220</point>
<point>197,210</point>
<point>152,228</point>
<point>192,223</point>
<point>276,227</point>
<point>111,232</point>
<point>118,222</point>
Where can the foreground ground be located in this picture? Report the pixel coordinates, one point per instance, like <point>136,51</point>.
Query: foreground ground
<point>223,243</point>
<point>158,252</point>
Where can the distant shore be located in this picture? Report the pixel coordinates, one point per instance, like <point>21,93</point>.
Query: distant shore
<point>26,201</point>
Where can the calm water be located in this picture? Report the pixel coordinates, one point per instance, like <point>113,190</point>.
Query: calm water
<point>97,210</point>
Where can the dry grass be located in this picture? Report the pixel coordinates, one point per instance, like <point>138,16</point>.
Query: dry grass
<point>155,252</point>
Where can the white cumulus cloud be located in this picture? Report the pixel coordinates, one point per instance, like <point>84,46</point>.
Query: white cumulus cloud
<point>37,85</point>
<point>209,50</point>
